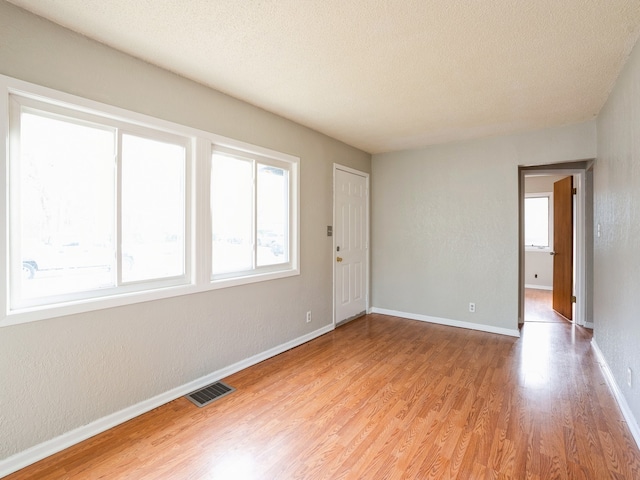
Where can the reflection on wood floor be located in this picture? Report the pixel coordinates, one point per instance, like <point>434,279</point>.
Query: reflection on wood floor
<point>384,398</point>
<point>538,307</point>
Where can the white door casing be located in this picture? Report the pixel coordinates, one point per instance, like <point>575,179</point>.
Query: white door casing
<point>351,243</point>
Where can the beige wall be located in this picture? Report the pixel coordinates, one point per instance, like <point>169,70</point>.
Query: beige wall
<point>445,223</point>
<point>617,250</point>
<point>64,373</point>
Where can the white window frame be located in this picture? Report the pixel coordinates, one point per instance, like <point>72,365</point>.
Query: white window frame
<point>197,276</point>
<point>549,196</point>
<point>119,129</point>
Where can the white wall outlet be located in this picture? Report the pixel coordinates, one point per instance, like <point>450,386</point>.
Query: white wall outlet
<point>629,373</point>
<point>309,316</point>
<point>472,307</point>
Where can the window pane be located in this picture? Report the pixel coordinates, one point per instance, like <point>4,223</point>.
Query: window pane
<point>66,214</point>
<point>536,221</point>
<point>273,215</point>
<point>153,183</point>
<point>231,214</point>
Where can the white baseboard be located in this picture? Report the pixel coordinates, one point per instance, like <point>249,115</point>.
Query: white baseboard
<point>538,287</point>
<point>446,321</point>
<point>632,423</point>
<point>38,452</point>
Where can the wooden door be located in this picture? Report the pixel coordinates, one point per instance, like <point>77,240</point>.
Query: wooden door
<point>351,244</point>
<point>563,247</point>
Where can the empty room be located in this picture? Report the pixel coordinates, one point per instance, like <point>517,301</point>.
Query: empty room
<point>371,239</point>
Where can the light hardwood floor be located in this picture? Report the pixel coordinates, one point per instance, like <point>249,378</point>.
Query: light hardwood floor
<point>538,307</point>
<point>383,397</point>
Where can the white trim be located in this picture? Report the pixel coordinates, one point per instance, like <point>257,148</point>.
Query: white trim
<point>337,166</point>
<point>38,452</point>
<point>580,255</point>
<point>538,287</point>
<point>448,322</point>
<point>632,423</point>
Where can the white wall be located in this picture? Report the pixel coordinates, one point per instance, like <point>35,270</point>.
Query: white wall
<point>617,250</point>
<point>445,223</point>
<point>538,270</point>
<point>63,373</point>
<point>539,263</point>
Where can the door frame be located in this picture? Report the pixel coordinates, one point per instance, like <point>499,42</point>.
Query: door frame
<point>336,167</point>
<point>578,170</point>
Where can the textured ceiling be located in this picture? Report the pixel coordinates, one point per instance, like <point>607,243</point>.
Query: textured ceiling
<point>381,75</point>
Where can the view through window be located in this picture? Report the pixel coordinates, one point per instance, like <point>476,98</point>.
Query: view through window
<point>536,221</point>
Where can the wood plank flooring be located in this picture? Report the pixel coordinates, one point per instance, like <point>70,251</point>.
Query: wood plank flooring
<point>538,307</point>
<point>384,398</point>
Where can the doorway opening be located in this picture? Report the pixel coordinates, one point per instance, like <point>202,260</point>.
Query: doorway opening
<point>556,243</point>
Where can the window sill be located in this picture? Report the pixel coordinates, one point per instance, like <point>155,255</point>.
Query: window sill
<point>32,314</point>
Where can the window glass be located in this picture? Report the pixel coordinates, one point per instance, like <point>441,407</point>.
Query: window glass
<point>152,209</point>
<point>273,215</point>
<point>231,214</point>
<point>65,212</point>
<point>250,214</point>
<point>536,221</point>
<point>77,231</point>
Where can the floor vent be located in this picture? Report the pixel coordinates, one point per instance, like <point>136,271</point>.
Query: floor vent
<point>208,394</point>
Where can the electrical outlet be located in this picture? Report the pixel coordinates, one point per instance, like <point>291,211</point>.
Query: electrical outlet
<point>629,372</point>
<point>309,316</point>
<point>472,307</point>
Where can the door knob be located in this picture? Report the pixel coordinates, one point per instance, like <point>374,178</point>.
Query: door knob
<point>552,253</point>
<point>339,259</point>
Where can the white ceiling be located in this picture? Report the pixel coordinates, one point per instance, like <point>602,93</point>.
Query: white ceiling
<point>381,75</point>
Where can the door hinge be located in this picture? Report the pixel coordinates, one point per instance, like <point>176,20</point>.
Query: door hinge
<point>573,299</point>
<point>574,191</point>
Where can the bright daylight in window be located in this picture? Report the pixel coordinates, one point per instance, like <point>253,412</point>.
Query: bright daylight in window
<point>536,221</point>
<point>102,210</point>
<point>67,209</point>
<point>250,214</point>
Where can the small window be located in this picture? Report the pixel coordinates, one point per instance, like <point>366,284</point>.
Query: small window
<point>537,219</point>
<point>250,214</point>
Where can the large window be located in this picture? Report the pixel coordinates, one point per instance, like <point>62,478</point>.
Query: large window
<point>537,221</point>
<point>94,207</point>
<point>107,207</point>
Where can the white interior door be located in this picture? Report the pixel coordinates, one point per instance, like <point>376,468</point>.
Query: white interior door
<point>351,244</point>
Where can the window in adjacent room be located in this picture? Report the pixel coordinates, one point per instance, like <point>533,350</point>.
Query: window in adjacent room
<point>537,220</point>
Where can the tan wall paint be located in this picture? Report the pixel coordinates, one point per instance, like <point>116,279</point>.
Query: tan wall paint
<point>616,252</point>
<point>63,373</point>
<point>445,223</point>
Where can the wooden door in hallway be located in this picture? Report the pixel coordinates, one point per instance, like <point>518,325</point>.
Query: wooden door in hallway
<point>351,244</point>
<point>563,247</point>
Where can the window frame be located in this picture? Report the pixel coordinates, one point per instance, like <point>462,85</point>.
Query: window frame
<point>198,234</point>
<point>549,196</point>
<point>256,159</point>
